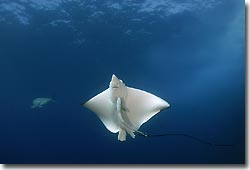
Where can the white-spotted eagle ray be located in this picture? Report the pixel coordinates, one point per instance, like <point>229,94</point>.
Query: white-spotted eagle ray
<point>124,109</point>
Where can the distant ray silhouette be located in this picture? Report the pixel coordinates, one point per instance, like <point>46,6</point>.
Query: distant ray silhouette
<point>40,102</point>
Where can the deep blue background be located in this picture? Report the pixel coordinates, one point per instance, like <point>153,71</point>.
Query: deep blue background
<point>195,60</point>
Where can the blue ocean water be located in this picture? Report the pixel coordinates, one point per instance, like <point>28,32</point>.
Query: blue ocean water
<point>191,54</point>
